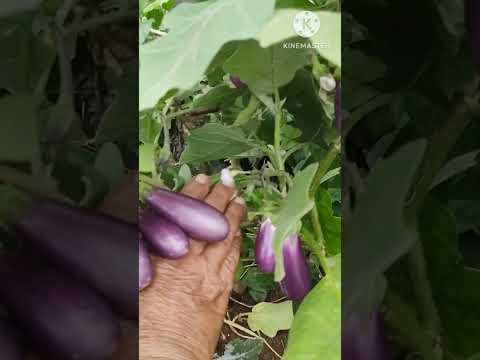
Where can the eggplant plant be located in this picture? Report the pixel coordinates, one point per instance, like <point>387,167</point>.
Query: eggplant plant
<point>259,104</point>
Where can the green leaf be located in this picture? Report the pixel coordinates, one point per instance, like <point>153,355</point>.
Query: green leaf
<point>196,33</point>
<point>297,204</point>
<point>109,163</point>
<point>315,334</point>
<point>265,70</point>
<point>19,140</point>
<point>331,224</point>
<point>242,349</point>
<point>457,303</point>
<point>373,233</point>
<point>280,28</point>
<point>147,158</point>
<point>220,96</point>
<point>119,123</point>
<point>456,166</point>
<point>215,141</point>
<point>259,284</point>
<point>270,318</point>
<point>305,106</point>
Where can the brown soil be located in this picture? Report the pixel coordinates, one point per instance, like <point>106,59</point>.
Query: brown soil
<point>278,343</point>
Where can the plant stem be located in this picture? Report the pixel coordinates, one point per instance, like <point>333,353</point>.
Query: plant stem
<point>99,21</point>
<point>437,152</point>
<point>191,112</point>
<point>324,166</point>
<point>277,141</point>
<point>318,246</point>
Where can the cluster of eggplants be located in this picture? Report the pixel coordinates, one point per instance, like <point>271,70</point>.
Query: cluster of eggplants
<point>169,222</point>
<point>63,317</point>
<point>473,23</point>
<point>9,346</point>
<point>363,338</point>
<point>97,249</point>
<point>297,282</point>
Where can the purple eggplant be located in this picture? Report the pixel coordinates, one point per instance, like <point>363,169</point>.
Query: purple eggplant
<point>166,238</point>
<point>363,338</point>
<point>237,82</point>
<point>198,219</point>
<point>473,24</point>
<point>264,255</point>
<point>64,318</point>
<point>100,250</point>
<point>297,282</point>
<point>145,269</point>
<point>9,346</point>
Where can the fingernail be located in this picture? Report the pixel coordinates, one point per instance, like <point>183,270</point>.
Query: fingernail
<point>201,179</point>
<point>239,201</point>
<point>227,178</point>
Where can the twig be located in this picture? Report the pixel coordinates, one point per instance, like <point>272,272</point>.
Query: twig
<point>240,303</point>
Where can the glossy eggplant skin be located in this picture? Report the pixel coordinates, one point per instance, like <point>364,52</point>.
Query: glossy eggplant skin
<point>165,238</point>
<point>64,318</point>
<point>297,282</point>
<point>9,347</point>
<point>363,338</point>
<point>98,249</point>
<point>198,219</point>
<point>264,255</point>
<point>145,269</point>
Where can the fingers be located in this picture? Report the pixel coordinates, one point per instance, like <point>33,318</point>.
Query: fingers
<point>220,196</point>
<point>217,252</point>
<point>198,187</point>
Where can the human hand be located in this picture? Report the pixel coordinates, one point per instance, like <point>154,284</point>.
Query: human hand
<point>182,312</point>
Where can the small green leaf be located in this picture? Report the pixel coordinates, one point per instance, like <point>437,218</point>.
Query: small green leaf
<point>259,284</point>
<point>147,158</point>
<point>242,349</point>
<point>270,318</point>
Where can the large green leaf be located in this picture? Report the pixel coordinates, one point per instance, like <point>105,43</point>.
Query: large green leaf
<point>196,33</point>
<point>315,334</point>
<point>280,28</point>
<point>331,224</point>
<point>214,142</point>
<point>265,69</point>
<point>270,318</point>
<point>297,204</point>
<point>374,238</point>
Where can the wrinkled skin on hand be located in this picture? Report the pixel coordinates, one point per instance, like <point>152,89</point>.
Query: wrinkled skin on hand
<point>182,312</point>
